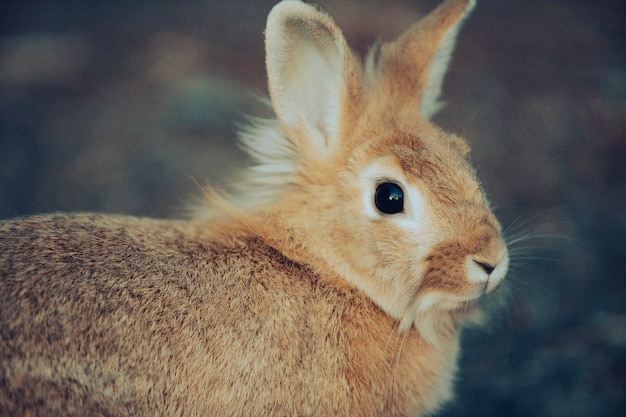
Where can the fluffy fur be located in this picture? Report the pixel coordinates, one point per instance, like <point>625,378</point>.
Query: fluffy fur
<point>297,296</point>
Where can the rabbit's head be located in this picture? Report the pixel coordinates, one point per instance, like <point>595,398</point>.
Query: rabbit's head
<point>360,179</point>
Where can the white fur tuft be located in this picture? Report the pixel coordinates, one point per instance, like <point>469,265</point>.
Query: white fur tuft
<point>275,162</point>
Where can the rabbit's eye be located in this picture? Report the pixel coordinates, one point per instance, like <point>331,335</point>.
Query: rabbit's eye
<point>389,198</point>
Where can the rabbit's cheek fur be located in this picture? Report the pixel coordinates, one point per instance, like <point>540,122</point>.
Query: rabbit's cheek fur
<point>446,274</point>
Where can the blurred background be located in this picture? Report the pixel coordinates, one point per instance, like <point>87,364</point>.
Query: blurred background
<point>119,106</point>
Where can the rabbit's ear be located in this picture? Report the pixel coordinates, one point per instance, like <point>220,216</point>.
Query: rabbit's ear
<point>413,67</point>
<point>307,62</point>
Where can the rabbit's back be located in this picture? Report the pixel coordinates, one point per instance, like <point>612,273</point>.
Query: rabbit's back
<point>110,315</point>
<point>113,313</point>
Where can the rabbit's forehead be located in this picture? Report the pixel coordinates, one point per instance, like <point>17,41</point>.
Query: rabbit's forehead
<point>436,167</point>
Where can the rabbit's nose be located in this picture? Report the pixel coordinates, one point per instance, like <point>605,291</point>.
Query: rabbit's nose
<point>488,268</point>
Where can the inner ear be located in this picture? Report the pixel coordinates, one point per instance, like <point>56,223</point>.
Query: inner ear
<point>306,65</point>
<point>310,77</point>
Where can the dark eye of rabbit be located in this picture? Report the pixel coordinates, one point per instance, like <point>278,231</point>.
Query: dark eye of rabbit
<point>389,198</point>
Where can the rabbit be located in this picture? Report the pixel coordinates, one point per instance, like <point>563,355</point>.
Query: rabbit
<point>334,280</point>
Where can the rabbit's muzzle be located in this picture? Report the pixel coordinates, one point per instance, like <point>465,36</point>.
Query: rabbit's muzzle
<point>464,269</point>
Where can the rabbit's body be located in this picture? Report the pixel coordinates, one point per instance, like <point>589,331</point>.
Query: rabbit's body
<point>183,319</point>
<point>335,283</point>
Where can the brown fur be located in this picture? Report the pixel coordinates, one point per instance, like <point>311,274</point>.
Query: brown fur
<point>295,297</point>
<point>125,316</point>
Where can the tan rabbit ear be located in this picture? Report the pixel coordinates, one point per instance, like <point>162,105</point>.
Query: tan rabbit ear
<point>307,58</point>
<point>413,67</point>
